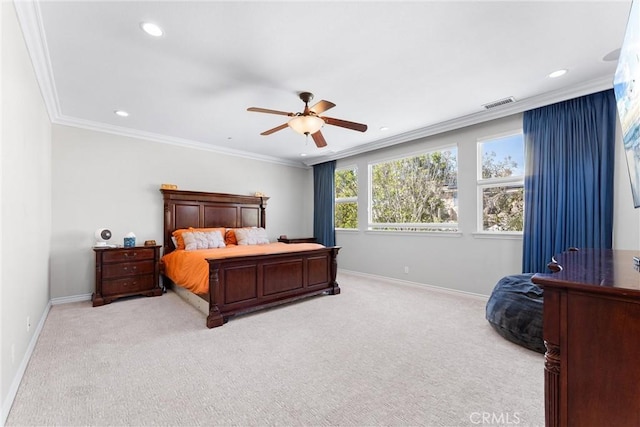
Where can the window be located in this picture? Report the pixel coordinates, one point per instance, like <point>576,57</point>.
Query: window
<point>501,183</point>
<point>346,181</point>
<point>418,193</point>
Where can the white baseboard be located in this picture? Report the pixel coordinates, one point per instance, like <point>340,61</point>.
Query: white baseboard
<point>421,285</point>
<point>15,384</point>
<point>74,298</point>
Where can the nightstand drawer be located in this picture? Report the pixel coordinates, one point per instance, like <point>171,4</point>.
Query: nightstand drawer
<point>127,269</point>
<point>132,254</point>
<point>126,285</point>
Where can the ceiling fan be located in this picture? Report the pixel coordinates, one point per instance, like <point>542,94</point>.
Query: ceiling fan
<point>309,121</point>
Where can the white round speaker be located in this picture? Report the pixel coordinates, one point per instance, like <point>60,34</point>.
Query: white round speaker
<point>102,236</point>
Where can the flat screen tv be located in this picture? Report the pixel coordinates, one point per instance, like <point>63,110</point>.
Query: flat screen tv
<point>627,92</point>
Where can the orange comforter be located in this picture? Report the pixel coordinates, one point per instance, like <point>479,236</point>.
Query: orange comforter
<point>190,269</point>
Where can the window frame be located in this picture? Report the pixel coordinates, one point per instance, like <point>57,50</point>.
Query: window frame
<point>486,183</point>
<point>337,199</point>
<point>407,228</point>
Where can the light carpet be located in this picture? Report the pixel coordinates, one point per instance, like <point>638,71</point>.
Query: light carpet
<point>380,353</point>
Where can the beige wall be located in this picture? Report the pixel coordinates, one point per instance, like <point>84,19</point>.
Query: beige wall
<point>25,226</point>
<point>104,180</point>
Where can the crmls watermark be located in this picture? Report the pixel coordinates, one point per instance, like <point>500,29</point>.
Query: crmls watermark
<point>495,418</point>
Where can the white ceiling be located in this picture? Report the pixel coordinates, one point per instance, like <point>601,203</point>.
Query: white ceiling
<point>416,67</point>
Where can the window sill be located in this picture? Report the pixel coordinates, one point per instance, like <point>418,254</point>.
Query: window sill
<point>504,235</point>
<point>416,233</point>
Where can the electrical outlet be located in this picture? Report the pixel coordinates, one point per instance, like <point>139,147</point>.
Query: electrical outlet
<point>406,269</point>
<point>28,323</point>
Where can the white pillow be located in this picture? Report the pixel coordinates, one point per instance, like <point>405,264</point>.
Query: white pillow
<point>251,236</point>
<point>194,240</point>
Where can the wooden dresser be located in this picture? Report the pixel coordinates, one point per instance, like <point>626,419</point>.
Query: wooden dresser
<point>592,335</point>
<point>122,272</point>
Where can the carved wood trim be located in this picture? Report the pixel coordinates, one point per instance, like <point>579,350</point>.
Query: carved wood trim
<point>214,319</point>
<point>334,271</point>
<point>552,384</point>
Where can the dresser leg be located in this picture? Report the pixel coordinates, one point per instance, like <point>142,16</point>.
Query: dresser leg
<point>97,300</point>
<point>155,293</point>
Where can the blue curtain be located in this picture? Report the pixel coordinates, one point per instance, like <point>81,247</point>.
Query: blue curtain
<point>323,203</point>
<point>568,186</point>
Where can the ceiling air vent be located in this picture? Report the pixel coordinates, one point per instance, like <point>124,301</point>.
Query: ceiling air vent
<point>499,102</point>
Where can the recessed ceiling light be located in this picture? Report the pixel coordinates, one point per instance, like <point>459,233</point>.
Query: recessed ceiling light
<point>121,113</point>
<point>557,73</point>
<point>384,128</point>
<point>303,154</point>
<point>151,29</point>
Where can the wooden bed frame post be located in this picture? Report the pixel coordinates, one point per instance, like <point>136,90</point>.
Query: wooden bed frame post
<point>214,319</point>
<point>334,271</point>
<point>263,213</point>
<point>166,245</point>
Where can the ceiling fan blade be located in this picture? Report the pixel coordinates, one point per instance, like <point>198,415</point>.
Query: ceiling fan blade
<point>265,110</point>
<point>275,129</point>
<point>322,106</point>
<point>345,124</point>
<point>319,139</point>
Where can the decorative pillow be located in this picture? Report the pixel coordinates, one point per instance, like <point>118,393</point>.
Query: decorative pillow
<point>179,241</point>
<point>251,236</point>
<point>202,240</point>
<point>230,237</point>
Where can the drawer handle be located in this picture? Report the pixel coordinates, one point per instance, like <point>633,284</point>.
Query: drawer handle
<point>134,268</point>
<point>126,254</point>
<point>132,283</point>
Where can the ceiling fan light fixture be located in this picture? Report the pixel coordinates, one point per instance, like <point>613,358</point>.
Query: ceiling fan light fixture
<point>306,125</point>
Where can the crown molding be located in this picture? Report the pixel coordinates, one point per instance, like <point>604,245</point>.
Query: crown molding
<point>30,19</point>
<point>585,88</point>
<point>180,142</point>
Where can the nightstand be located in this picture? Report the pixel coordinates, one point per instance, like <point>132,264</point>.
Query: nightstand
<point>122,272</point>
<point>297,240</point>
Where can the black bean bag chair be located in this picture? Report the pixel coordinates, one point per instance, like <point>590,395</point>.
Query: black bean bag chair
<point>514,310</point>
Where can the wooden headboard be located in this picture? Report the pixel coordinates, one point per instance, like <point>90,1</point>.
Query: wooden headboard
<point>184,209</point>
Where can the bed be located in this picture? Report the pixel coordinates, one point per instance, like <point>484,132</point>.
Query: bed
<point>280,273</point>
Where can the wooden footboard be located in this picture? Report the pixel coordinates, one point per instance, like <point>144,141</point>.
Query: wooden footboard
<point>242,285</point>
